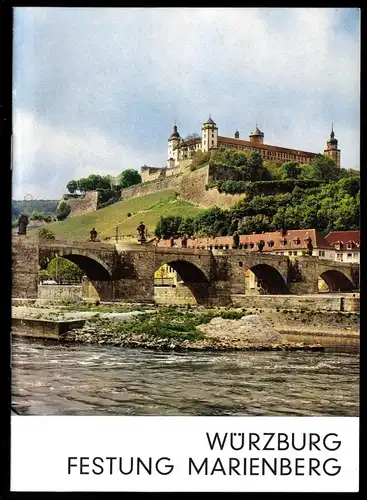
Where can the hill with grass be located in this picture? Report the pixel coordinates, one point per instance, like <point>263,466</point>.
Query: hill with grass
<point>147,208</point>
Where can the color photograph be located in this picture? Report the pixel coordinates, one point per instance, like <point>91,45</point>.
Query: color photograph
<point>186,211</point>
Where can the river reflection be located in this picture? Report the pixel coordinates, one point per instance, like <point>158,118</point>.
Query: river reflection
<point>54,379</point>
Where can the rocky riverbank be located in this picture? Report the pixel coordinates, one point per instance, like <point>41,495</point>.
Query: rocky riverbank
<point>249,332</point>
<point>169,328</point>
<point>90,334</point>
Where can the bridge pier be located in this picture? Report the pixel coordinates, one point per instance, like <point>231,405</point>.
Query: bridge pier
<point>24,268</point>
<point>123,290</point>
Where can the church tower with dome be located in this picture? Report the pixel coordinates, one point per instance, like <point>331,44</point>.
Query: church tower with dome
<point>332,150</point>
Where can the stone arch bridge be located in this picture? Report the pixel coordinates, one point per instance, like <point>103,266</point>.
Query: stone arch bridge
<point>121,273</point>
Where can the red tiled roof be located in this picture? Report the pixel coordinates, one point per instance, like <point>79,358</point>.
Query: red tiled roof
<point>290,241</point>
<point>257,145</point>
<point>343,237</point>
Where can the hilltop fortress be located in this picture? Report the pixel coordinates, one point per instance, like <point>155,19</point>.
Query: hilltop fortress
<point>192,183</point>
<point>181,151</point>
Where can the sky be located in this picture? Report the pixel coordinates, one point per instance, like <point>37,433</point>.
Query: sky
<point>97,90</point>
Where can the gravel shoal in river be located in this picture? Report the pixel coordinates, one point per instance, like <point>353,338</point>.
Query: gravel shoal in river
<point>91,334</point>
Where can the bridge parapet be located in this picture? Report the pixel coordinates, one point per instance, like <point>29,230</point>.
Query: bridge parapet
<point>96,246</point>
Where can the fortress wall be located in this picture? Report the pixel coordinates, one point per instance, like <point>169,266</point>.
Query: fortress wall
<point>171,182</point>
<point>190,185</point>
<point>80,206</point>
<point>193,190</point>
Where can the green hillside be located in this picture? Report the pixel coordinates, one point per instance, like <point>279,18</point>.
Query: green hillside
<point>145,208</point>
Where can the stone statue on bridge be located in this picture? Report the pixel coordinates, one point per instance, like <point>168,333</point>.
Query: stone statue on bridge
<point>141,232</point>
<point>236,240</point>
<point>309,246</point>
<point>23,222</point>
<point>93,235</point>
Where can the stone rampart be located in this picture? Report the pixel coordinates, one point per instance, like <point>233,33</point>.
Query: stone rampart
<point>171,182</point>
<point>193,189</point>
<point>79,206</point>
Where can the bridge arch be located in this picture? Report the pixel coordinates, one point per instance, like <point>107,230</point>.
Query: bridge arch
<point>337,281</point>
<point>269,280</point>
<point>189,276</point>
<point>93,267</point>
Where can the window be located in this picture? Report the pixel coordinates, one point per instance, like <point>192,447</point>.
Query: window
<point>349,255</point>
<point>349,246</point>
<point>212,143</point>
<point>240,264</point>
<point>321,253</point>
<point>339,256</point>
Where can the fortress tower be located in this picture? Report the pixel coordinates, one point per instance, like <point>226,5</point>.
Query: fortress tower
<point>332,150</point>
<point>173,141</point>
<point>257,136</point>
<point>209,135</point>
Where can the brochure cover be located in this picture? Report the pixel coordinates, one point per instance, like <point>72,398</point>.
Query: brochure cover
<point>185,249</point>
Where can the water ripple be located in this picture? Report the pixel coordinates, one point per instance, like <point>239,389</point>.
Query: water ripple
<point>51,379</point>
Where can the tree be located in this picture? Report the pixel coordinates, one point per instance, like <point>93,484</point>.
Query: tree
<point>127,178</point>
<point>187,227</point>
<point>200,158</point>
<point>256,166</point>
<point>62,270</point>
<point>46,234</point>
<point>324,169</point>
<point>106,182</point>
<point>290,170</point>
<point>63,211</point>
<point>43,275</point>
<point>168,227</point>
<point>83,185</point>
<point>254,224</point>
<point>72,186</point>
<point>93,182</point>
<point>37,215</point>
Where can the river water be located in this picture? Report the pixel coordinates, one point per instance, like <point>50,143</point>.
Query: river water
<point>53,379</point>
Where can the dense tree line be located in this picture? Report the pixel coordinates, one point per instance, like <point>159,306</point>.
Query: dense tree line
<point>251,176</point>
<point>93,182</point>
<point>242,165</point>
<point>331,206</point>
<point>30,207</point>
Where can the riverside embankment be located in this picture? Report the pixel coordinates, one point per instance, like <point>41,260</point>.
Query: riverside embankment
<point>170,328</point>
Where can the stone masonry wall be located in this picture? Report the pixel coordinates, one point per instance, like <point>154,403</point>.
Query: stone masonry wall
<point>24,268</point>
<point>167,295</point>
<point>171,182</point>
<point>80,206</point>
<point>193,189</point>
<point>288,302</point>
<point>59,292</point>
<point>190,185</point>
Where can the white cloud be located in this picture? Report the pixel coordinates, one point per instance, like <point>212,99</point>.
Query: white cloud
<point>45,158</point>
<point>106,84</point>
